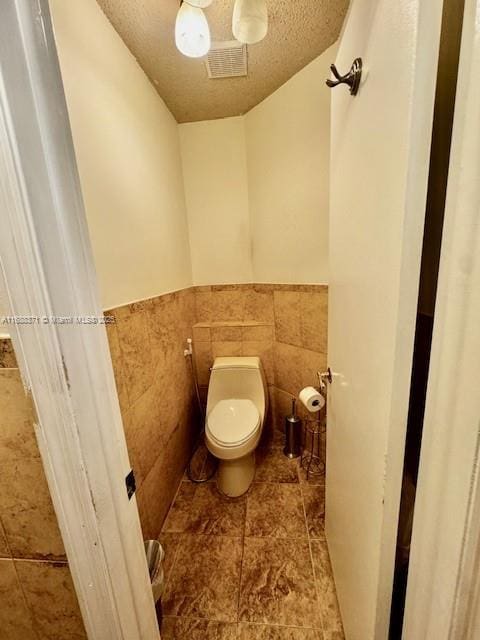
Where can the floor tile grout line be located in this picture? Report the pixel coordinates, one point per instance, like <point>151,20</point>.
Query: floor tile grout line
<point>177,546</point>
<point>242,622</point>
<point>241,563</point>
<point>243,537</point>
<point>313,566</point>
<point>28,607</point>
<point>174,560</point>
<point>172,504</point>
<point>280,626</point>
<point>55,561</point>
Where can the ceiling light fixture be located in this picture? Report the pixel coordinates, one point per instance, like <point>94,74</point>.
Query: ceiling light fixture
<point>250,21</point>
<point>192,33</point>
<point>201,4</point>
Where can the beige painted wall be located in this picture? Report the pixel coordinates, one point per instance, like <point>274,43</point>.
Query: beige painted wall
<point>216,190</point>
<point>257,186</point>
<point>128,155</point>
<point>288,148</point>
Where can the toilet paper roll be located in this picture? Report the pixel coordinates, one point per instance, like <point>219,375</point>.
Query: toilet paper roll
<point>311,399</point>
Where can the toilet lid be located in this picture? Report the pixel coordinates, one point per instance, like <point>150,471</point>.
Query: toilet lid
<point>232,421</point>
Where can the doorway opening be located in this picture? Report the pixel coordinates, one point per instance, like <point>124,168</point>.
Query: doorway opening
<point>447,73</point>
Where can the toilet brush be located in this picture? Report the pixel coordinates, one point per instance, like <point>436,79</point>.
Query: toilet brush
<point>293,434</point>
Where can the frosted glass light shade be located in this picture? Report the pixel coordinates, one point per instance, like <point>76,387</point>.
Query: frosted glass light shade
<point>250,20</point>
<point>192,33</point>
<point>201,4</point>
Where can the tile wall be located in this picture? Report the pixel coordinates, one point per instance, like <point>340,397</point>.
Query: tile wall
<point>156,394</point>
<point>286,325</point>
<point>37,598</point>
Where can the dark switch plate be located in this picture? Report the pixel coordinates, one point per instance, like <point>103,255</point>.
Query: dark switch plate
<point>130,483</point>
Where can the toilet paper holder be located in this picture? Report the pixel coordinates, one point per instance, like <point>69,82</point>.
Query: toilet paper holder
<point>323,378</point>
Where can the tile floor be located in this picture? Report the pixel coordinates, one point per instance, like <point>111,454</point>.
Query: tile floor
<point>251,568</point>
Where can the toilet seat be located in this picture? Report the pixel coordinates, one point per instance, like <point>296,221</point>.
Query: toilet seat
<point>233,422</point>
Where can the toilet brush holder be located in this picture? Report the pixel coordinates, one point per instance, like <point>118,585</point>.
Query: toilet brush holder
<point>312,456</point>
<point>293,434</point>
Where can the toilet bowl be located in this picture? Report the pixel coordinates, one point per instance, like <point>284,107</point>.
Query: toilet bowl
<point>237,404</point>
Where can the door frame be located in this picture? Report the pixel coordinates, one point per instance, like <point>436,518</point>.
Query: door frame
<point>443,592</point>
<point>48,270</point>
<point>424,20</point>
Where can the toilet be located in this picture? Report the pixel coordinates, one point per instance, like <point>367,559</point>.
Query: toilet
<point>237,404</point>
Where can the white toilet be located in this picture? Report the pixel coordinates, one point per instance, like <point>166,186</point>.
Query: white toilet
<point>237,404</point>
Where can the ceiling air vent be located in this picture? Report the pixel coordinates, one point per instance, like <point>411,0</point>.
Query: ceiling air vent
<point>227,60</point>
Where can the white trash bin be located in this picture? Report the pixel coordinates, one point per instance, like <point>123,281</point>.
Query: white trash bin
<point>155,555</point>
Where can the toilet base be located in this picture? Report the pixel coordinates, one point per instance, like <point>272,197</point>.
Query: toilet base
<point>234,477</point>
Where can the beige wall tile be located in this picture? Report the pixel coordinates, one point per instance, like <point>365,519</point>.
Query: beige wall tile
<point>232,287</point>
<point>203,361</point>
<point>51,598</point>
<point>145,511</point>
<point>257,333</point>
<point>143,433</point>
<point>27,512</point>
<point>137,357</point>
<point>163,328</point>
<point>159,424</point>
<point>7,354</point>
<point>201,334</point>
<point>226,333</point>
<point>288,317</point>
<point>160,485</point>
<point>264,350</point>
<point>283,406</point>
<point>17,437</point>
<point>272,436</point>
<point>225,349</point>
<point>155,416</point>
<point>203,389</point>
<point>314,324</point>
<point>117,364</point>
<point>4,550</point>
<point>187,311</point>
<point>203,305</point>
<point>271,408</point>
<point>228,305</point>
<point>312,362</point>
<point>288,368</point>
<point>259,305</point>
<point>15,619</point>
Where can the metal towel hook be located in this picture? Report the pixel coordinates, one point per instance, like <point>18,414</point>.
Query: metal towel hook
<point>352,78</point>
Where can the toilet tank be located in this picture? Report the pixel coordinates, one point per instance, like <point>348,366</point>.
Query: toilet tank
<point>241,378</point>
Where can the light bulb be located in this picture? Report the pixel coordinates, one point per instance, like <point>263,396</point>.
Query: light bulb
<point>250,20</point>
<point>192,34</point>
<point>201,4</point>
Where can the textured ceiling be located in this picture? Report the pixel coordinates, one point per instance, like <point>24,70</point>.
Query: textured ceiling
<point>299,30</point>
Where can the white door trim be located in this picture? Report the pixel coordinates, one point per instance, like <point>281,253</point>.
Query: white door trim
<point>443,588</point>
<point>47,265</point>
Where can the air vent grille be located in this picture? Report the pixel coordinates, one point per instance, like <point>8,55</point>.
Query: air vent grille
<point>227,60</point>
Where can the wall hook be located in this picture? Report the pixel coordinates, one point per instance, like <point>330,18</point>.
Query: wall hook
<point>352,78</point>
